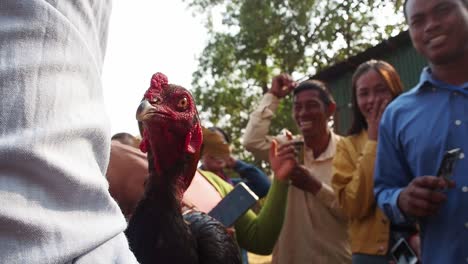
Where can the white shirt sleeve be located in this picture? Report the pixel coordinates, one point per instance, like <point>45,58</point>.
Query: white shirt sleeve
<point>55,136</point>
<point>256,138</point>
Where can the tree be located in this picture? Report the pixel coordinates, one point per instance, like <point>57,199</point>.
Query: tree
<point>261,37</point>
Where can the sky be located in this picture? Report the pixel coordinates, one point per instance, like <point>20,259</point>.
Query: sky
<point>145,38</point>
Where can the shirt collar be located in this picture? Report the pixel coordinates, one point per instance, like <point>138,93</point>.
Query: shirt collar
<point>427,79</point>
<point>329,151</point>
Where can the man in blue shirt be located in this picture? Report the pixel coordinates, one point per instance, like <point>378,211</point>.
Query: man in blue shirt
<point>421,125</point>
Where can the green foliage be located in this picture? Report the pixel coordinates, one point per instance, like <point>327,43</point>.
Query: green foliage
<point>260,38</point>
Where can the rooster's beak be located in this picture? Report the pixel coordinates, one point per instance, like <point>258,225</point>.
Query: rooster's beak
<point>143,110</point>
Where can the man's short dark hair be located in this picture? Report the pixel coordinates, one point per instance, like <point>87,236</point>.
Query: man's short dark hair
<point>324,92</point>
<point>406,1</point>
<point>227,138</point>
<point>125,138</point>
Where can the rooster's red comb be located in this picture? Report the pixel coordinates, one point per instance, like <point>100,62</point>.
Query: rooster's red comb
<point>158,81</point>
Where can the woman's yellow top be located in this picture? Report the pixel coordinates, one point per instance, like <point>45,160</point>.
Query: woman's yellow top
<point>353,182</point>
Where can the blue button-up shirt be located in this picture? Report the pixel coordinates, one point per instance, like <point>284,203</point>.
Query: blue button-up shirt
<point>415,131</point>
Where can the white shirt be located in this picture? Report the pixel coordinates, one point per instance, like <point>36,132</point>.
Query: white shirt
<point>55,136</point>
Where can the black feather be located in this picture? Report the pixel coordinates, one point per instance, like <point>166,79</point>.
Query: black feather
<point>215,245</point>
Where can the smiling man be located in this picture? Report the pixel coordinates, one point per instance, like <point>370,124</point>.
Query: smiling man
<point>421,125</point>
<point>314,230</point>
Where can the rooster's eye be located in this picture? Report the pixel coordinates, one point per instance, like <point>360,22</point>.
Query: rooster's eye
<point>183,103</point>
<point>156,100</point>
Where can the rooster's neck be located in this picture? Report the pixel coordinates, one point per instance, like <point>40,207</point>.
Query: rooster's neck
<point>171,162</point>
<point>157,231</point>
<point>165,197</point>
<point>167,147</point>
<point>164,183</point>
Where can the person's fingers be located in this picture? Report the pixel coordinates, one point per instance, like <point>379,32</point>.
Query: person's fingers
<point>373,114</point>
<point>301,169</point>
<point>415,244</point>
<point>429,182</point>
<point>286,149</point>
<point>293,175</point>
<point>286,144</point>
<point>282,159</point>
<point>287,156</point>
<point>427,194</point>
<point>437,197</point>
<point>290,80</point>
<point>297,184</point>
<point>292,85</point>
<point>383,104</point>
<point>298,173</point>
<point>450,184</point>
<point>422,196</point>
<point>283,170</point>
<point>286,78</point>
<point>376,109</point>
<point>299,178</point>
<point>285,82</point>
<point>273,149</point>
<point>276,84</point>
<point>421,207</point>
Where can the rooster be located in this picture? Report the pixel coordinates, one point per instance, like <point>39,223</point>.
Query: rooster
<point>158,232</point>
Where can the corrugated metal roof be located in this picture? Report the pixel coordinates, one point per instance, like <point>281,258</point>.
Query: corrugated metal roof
<point>385,47</point>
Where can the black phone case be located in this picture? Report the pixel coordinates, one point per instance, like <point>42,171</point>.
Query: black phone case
<point>234,205</point>
<point>402,253</point>
<point>448,163</point>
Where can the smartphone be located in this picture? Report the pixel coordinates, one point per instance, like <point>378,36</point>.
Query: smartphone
<point>299,146</point>
<point>402,253</point>
<point>234,205</point>
<point>448,163</point>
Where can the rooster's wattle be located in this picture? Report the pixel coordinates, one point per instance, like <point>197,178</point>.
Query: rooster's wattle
<point>172,136</point>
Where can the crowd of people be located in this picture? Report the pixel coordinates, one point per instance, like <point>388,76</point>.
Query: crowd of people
<point>357,198</point>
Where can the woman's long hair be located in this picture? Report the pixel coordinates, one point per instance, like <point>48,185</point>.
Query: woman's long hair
<point>388,74</point>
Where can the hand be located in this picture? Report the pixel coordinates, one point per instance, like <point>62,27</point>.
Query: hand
<point>231,231</point>
<point>282,159</point>
<point>422,197</point>
<point>303,179</point>
<point>282,85</point>
<point>373,120</point>
<point>414,242</point>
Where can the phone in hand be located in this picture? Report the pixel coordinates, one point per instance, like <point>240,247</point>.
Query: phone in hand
<point>234,205</point>
<point>299,146</point>
<point>402,253</point>
<point>448,163</point>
